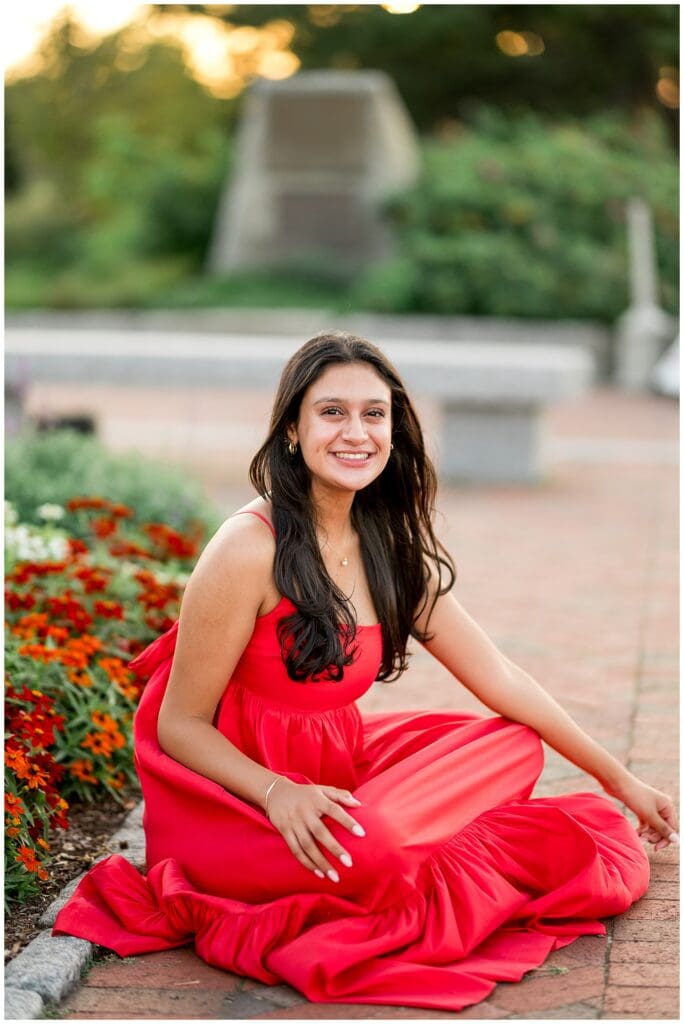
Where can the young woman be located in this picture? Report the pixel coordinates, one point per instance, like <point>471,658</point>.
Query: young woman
<point>382,858</point>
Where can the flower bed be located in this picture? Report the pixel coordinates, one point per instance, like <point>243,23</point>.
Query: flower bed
<point>79,606</point>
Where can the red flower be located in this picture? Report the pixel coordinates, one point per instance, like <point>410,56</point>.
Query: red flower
<point>93,579</point>
<point>15,601</point>
<point>58,806</point>
<point>126,549</point>
<point>74,504</point>
<point>171,541</point>
<point>109,609</point>
<point>121,511</point>
<point>103,526</point>
<point>70,609</point>
<point>76,547</point>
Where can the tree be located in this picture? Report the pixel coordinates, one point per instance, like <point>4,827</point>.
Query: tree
<point>446,61</point>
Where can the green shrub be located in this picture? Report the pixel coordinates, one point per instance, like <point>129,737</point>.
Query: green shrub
<point>54,466</point>
<point>518,217</point>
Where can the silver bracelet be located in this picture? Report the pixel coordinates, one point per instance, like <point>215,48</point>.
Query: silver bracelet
<point>268,792</point>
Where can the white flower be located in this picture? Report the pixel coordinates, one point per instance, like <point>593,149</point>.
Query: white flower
<point>10,514</point>
<point>27,545</point>
<point>50,512</point>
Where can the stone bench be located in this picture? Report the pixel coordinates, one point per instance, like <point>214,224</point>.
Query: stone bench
<point>492,396</point>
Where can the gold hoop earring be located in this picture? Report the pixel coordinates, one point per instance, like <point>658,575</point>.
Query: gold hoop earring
<point>292,448</point>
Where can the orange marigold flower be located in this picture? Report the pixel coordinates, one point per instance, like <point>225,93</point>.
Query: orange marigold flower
<point>16,759</point>
<point>14,804</point>
<point>42,842</point>
<point>104,721</point>
<point>36,776</point>
<point>130,690</point>
<point>87,643</point>
<point>79,678</point>
<point>58,633</point>
<point>40,652</point>
<point>81,769</point>
<point>116,781</point>
<point>12,833</point>
<point>35,623</point>
<point>27,857</point>
<point>74,658</point>
<point>99,743</point>
<point>115,669</point>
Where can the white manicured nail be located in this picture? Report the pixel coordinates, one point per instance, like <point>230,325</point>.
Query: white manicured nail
<point>673,837</point>
<point>319,874</point>
<point>333,876</point>
<point>346,860</point>
<point>358,830</point>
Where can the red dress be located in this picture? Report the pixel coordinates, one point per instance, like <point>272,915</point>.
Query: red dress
<point>461,880</point>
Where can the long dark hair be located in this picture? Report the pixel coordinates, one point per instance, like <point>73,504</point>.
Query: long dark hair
<point>392,516</point>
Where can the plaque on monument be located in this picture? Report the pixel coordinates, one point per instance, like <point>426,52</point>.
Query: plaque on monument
<point>317,154</point>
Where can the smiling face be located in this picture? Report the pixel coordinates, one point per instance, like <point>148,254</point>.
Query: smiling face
<point>344,427</point>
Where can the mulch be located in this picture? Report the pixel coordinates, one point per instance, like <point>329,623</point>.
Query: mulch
<point>75,849</point>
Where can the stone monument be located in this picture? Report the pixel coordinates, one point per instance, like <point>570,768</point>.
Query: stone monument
<point>317,154</point>
<point>644,329</point>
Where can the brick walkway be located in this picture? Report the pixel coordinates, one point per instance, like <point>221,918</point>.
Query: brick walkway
<point>576,581</point>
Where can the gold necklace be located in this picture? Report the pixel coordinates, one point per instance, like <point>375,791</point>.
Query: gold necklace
<point>344,561</point>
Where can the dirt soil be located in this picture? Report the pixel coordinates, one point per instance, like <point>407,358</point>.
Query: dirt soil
<point>75,849</point>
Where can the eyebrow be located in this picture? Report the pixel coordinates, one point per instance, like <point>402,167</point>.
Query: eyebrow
<point>368,401</point>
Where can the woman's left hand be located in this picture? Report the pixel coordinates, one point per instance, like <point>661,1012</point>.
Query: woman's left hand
<point>657,818</point>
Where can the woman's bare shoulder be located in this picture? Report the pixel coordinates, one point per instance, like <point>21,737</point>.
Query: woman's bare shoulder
<point>239,555</point>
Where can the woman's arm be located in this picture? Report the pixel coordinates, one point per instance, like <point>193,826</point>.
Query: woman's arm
<point>220,605</point>
<point>466,650</point>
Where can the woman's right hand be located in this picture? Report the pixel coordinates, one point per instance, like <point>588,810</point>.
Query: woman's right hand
<point>296,811</point>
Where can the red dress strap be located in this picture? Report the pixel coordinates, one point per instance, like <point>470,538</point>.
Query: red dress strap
<point>251,512</point>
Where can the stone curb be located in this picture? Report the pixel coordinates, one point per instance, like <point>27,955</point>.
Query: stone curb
<point>50,966</point>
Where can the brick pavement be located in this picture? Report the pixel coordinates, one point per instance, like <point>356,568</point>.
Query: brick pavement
<point>576,581</point>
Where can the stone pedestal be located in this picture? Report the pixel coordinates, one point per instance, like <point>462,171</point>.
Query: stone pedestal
<point>643,334</point>
<point>485,443</point>
<point>317,154</point>
<point>644,330</point>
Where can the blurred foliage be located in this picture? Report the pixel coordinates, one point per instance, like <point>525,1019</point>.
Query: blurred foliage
<point>527,219</point>
<point>53,466</point>
<point>116,159</point>
<point>445,60</point>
